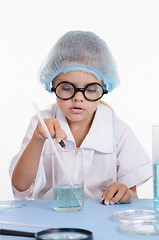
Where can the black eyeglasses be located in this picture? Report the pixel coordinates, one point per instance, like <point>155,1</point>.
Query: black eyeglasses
<point>66,90</point>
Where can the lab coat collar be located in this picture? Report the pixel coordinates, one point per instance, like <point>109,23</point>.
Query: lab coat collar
<point>100,136</point>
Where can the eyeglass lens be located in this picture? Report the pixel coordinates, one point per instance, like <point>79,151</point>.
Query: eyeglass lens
<point>66,90</point>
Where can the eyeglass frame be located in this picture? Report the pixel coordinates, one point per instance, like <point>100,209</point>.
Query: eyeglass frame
<point>105,90</point>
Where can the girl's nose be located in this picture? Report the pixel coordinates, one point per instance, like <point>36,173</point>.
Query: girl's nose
<point>78,97</point>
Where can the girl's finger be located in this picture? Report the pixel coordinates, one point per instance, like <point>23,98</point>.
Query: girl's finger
<point>119,195</point>
<point>59,133</point>
<point>109,193</point>
<point>127,197</point>
<point>39,131</point>
<point>104,196</point>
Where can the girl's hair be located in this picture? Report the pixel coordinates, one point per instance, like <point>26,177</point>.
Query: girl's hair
<point>80,51</point>
<point>106,104</point>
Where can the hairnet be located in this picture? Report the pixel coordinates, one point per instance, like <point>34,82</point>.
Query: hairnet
<point>80,51</point>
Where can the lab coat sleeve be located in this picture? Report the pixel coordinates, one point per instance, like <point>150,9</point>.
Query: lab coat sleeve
<point>134,166</point>
<point>40,180</point>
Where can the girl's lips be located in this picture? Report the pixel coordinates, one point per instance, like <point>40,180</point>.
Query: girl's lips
<point>77,110</point>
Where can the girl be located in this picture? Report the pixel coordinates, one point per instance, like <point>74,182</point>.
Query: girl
<point>80,70</point>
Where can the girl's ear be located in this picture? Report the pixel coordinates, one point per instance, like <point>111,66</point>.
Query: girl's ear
<point>102,83</point>
<point>55,81</point>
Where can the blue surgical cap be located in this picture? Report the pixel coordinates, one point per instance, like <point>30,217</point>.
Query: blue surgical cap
<point>80,51</point>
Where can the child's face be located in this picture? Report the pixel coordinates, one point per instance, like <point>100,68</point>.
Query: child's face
<point>77,109</point>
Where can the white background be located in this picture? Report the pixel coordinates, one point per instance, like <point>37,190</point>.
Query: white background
<point>28,29</point>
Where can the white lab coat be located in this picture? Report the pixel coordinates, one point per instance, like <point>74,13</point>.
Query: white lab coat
<point>111,153</point>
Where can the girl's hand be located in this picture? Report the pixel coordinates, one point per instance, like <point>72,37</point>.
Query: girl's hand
<point>54,128</point>
<point>118,193</point>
